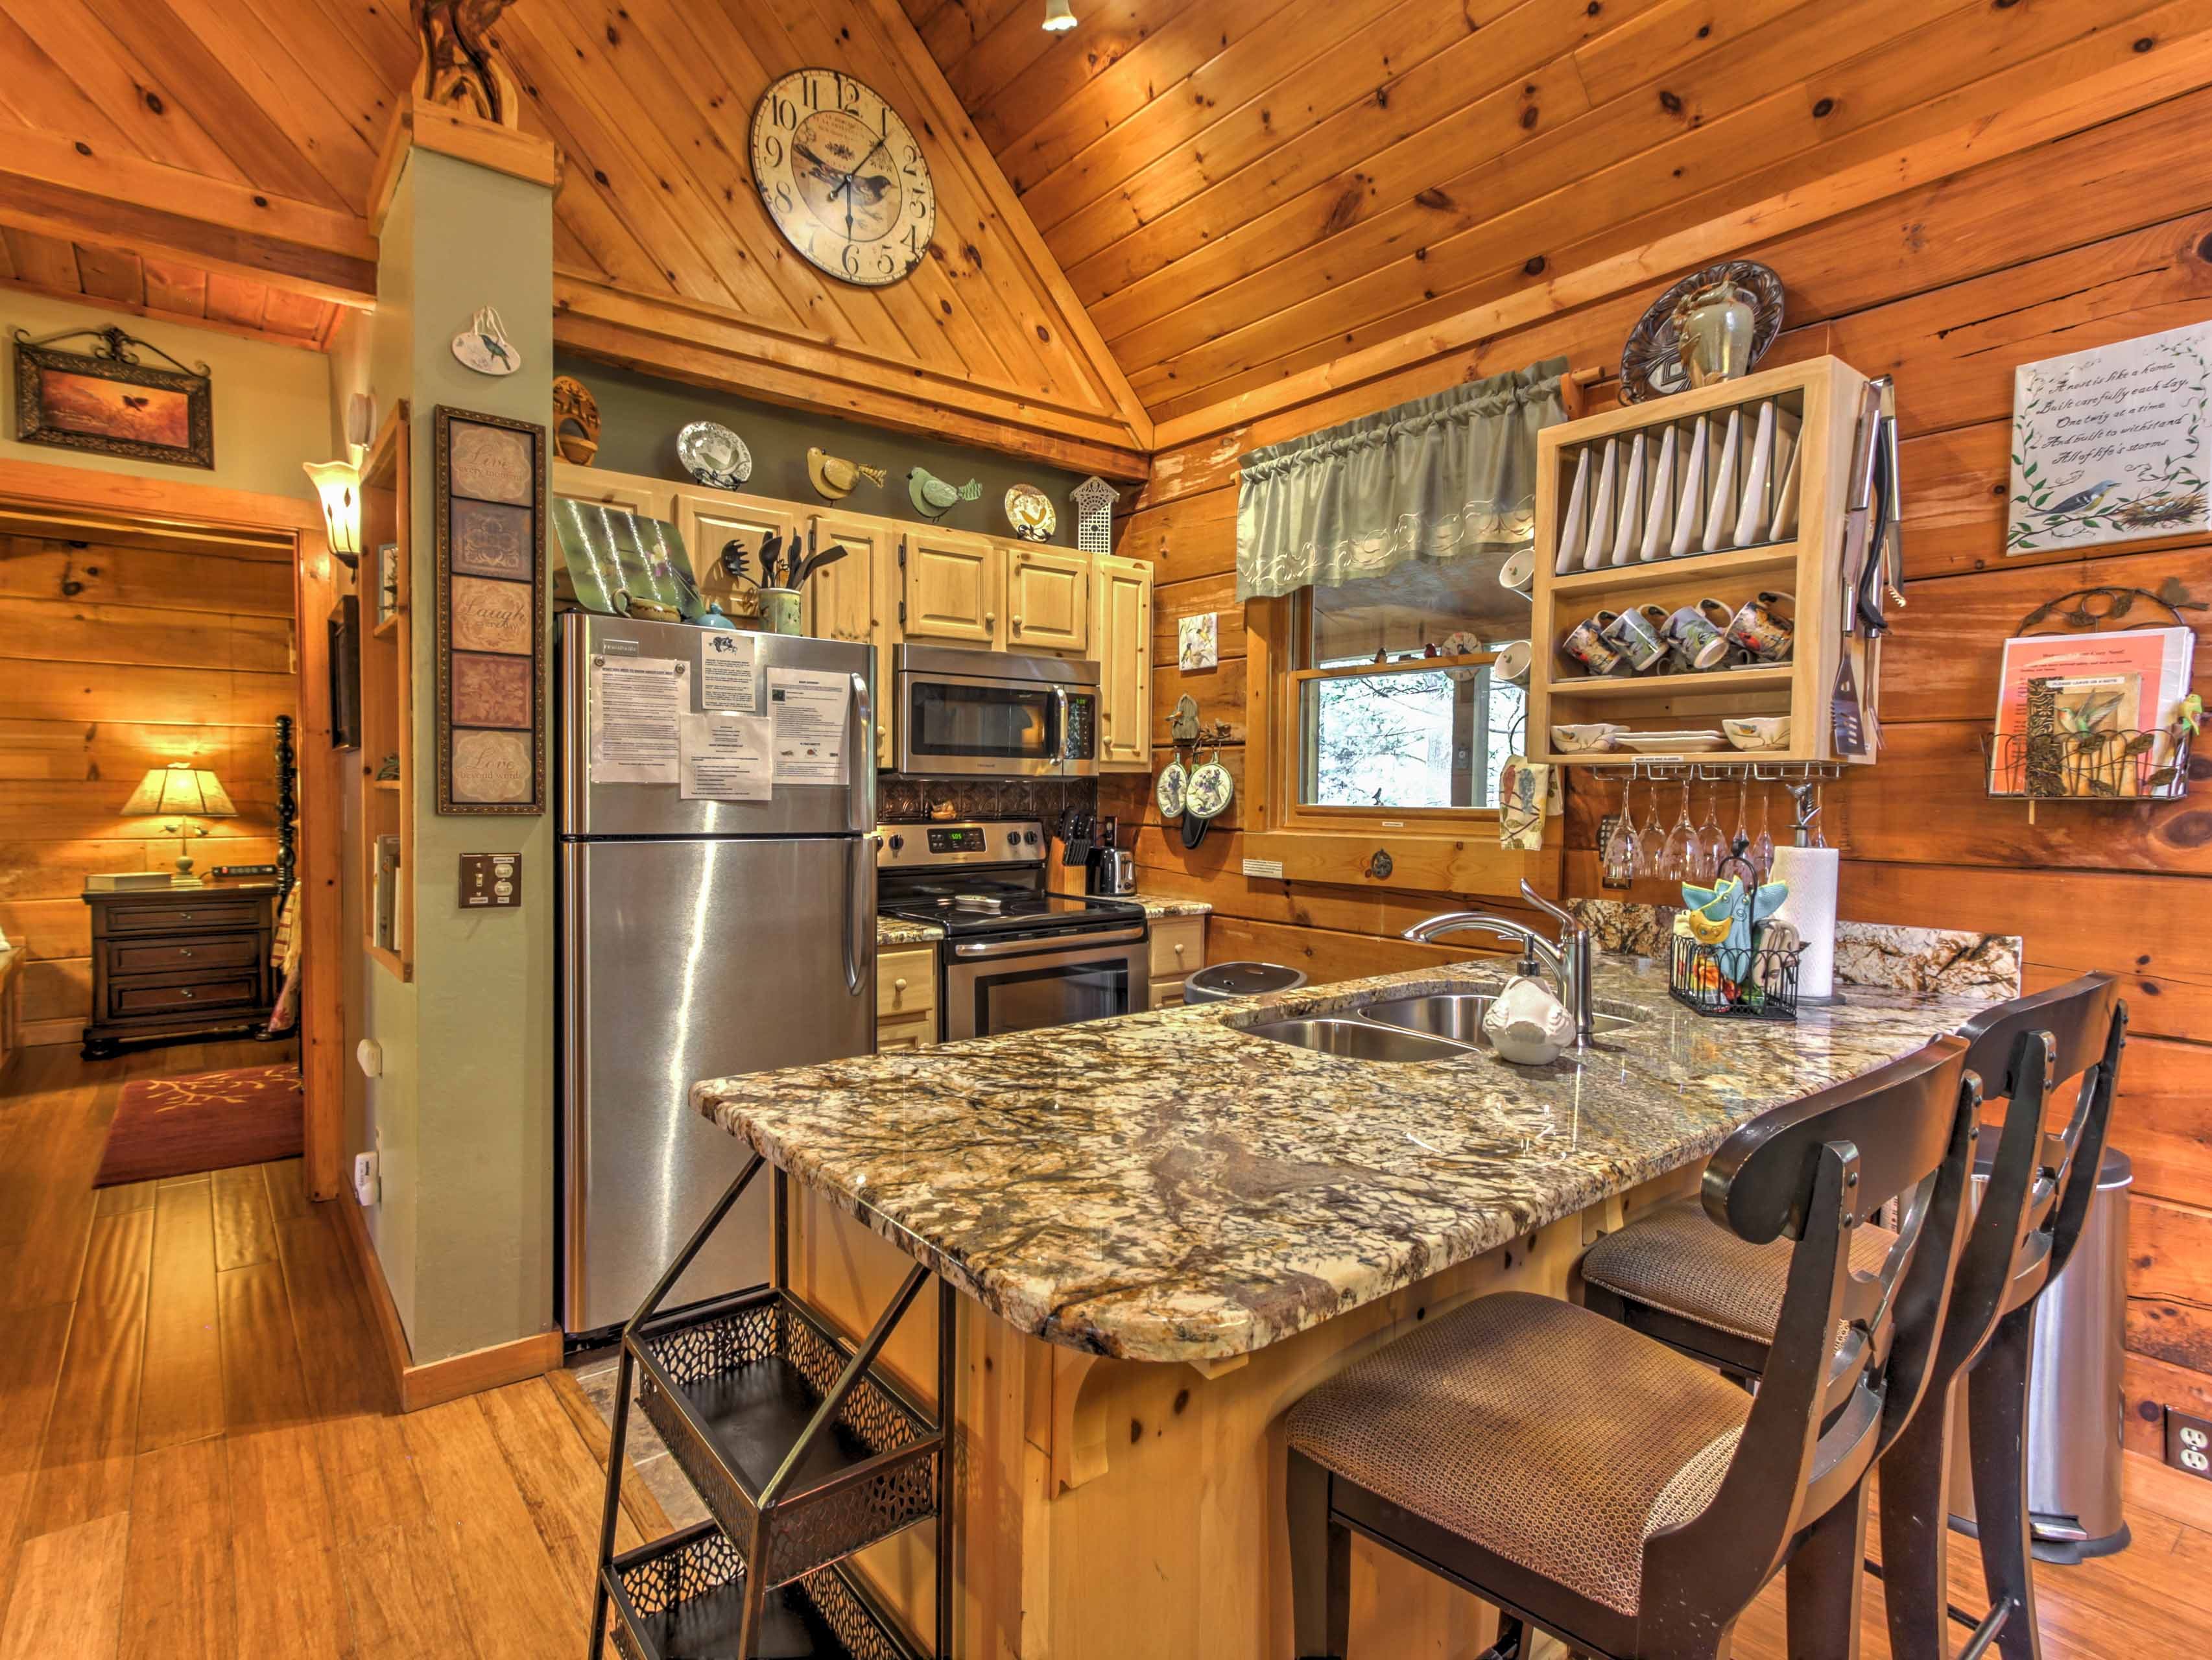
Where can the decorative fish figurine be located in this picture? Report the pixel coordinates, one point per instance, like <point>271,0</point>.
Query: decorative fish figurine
<point>933,498</point>
<point>835,478</point>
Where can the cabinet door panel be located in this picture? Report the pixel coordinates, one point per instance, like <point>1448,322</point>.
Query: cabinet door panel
<point>845,600</point>
<point>1048,598</point>
<point>645,497</point>
<point>1122,640</point>
<point>709,518</point>
<point>955,588</point>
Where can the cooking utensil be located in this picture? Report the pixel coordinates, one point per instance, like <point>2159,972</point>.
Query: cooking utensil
<point>734,559</point>
<point>815,562</point>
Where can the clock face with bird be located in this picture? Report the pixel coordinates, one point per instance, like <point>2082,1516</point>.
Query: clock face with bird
<point>843,177</point>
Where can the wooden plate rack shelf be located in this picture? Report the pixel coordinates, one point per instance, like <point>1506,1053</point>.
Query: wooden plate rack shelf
<point>1823,394</point>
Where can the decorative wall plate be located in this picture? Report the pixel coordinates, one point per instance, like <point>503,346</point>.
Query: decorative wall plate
<point>713,455</point>
<point>1168,790</point>
<point>1460,643</point>
<point>1649,368</point>
<point>484,345</point>
<point>1028,510</point>
<point>1207,794</point>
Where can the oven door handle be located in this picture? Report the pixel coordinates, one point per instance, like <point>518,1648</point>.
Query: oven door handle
<point>974,950</point>
<point>1059,737</point>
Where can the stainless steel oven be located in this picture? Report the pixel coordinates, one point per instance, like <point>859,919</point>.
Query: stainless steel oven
<point>992,712</point>
<point>1017,985</point>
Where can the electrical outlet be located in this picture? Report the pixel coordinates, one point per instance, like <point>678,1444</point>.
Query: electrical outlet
<point>366,1184</point>
<point>2189,1442</point>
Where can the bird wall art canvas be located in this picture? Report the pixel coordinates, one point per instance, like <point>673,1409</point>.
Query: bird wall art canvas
<point>2113,444</point>
<point>113,400</point>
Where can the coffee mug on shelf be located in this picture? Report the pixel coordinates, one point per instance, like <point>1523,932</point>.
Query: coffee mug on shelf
<point>1698,642</point>
<point>1762,626</point>
<point>1586,643</point>
<point>1635,634</point>
<point>1512,662</point>
<point>1518,573</point>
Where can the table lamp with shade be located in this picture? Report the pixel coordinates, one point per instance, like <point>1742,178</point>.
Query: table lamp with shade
<point>180,792</point>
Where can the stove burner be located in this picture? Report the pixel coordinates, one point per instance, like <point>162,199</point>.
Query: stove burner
<point>980,904</point>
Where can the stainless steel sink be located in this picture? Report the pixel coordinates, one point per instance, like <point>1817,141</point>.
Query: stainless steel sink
<point>1456,1016</point>
<point>1358,1040</point>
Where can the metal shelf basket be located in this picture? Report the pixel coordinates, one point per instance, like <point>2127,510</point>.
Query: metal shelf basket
<point>683,1595</point>
<point>732,1388</point>
<point>2106,766</point>
<point>1767,989</point>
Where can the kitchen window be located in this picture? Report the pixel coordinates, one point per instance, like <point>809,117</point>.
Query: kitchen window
<point>1409,732</point>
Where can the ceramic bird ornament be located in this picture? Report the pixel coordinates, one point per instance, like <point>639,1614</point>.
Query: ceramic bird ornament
<point>835,477</point>
<point>1725,914</point>
<point>933,498</point>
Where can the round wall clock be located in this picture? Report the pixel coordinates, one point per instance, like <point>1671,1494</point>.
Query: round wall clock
<point>843,177</point>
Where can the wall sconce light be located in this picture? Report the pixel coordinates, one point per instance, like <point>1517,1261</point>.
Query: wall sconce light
<point>338,485</point>
<point>1057,17</point>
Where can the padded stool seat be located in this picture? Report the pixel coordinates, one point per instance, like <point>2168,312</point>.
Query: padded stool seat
<point>1545,1433</point>
<point>1678,1261</point>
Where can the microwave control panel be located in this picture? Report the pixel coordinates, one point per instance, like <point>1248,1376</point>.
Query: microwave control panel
<point>1080,741</point>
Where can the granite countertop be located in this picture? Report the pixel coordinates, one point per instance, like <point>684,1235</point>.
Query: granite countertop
<point>1159,907</point>
<point>1162,1187</point>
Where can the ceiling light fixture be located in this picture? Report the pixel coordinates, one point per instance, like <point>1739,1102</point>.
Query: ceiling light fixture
<point>1057,16</point>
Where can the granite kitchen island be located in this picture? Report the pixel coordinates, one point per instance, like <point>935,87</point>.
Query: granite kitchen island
<point>1174,1230</point>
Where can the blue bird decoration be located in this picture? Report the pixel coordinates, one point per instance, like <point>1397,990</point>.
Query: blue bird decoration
<point>2083,501</point>
<point>1728,901</point>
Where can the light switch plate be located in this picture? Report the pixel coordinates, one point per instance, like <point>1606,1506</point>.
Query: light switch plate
<point>491,881</point>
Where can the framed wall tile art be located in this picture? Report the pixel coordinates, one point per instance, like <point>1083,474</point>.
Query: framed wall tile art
<point>490,518</point>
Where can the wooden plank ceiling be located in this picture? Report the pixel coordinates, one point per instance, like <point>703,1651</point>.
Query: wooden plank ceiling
<point>118,279</point>
<point>157,145</point>
<point>1244,192</point>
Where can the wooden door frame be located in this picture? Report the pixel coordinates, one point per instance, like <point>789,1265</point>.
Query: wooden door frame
<point>178,502</point>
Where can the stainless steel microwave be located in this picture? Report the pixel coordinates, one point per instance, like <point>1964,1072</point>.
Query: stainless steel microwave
<point>992,712</point>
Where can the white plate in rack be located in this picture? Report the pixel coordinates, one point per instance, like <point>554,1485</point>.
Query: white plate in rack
<point>1670,743</point>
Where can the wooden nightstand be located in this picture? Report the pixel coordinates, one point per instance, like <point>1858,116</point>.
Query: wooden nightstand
<point>169,963</point>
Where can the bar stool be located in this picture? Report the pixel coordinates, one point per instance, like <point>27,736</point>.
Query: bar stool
<point>1677,1277</point>
<point>1602,1486</point>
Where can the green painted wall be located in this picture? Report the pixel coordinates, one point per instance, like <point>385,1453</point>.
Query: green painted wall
<point>463,1113</point>
<point>641,415</point>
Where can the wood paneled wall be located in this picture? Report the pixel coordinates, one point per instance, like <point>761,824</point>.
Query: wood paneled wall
<point>114,659</point>
<point>2100,237</point>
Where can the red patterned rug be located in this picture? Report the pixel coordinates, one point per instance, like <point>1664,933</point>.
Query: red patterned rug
<point>209,1120</point>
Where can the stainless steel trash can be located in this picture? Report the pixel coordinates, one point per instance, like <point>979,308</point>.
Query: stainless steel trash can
<point>2074,1403</point>
<point>1223,981</point>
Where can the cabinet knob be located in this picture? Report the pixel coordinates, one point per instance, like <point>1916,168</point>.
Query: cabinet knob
<point>1017,625</point>
<point>990,618</point>
<point>1178,947</point>
<point>899,984</point>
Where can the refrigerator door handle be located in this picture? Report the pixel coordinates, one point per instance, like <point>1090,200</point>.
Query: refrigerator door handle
<point>860,761</point>
<point>860,913</point>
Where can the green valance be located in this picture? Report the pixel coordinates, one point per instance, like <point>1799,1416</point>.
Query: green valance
<point>1449,476</point>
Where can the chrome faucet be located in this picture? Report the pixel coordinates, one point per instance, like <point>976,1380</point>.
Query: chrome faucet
<point>1568,957</point>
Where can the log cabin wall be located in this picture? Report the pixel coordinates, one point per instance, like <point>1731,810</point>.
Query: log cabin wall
<point>2097,237</point>
<point>116,657</point>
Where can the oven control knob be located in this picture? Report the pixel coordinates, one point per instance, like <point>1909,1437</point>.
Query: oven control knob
<point>1013,838</point>
<point>897,842</point>
<point>1030,836</point>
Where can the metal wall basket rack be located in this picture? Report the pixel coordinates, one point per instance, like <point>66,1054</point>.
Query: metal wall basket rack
<point>803,1450</point>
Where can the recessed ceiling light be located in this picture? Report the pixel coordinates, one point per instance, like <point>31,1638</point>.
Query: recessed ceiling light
<point>1057,16</point>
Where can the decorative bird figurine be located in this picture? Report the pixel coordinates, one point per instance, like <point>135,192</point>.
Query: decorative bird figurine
<point>835,477</point>
<point>933,498</point>
<point>2082,500</point>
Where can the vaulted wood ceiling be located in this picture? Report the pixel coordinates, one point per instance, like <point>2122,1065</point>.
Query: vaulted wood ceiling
<point>246,133</point>
<point>1243,191</point>
<point>147,285</point>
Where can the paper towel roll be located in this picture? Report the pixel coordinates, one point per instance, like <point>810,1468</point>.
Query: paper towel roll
<point>1811,909</point>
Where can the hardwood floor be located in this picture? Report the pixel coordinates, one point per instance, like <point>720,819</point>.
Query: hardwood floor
<point>200,1455</point>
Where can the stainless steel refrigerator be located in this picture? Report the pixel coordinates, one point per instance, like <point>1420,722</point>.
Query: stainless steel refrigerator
<point>699,938</point>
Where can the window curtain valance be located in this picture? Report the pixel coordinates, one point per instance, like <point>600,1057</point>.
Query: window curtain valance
<point>1443,476</point>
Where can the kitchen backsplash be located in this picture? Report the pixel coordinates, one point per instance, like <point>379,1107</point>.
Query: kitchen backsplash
<point>1890,955</point>
<point>902,801</point>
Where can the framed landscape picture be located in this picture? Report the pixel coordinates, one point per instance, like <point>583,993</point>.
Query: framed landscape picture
<point>490,516</point>
<point>112,401</point>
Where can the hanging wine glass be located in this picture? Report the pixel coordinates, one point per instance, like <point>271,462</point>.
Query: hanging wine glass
<point>1620,846</point>
<point>1762,850</point>
<point>1680,850</point>
<point>1651,843</point>
<point>1741,836</point>
<point>1712,843</point>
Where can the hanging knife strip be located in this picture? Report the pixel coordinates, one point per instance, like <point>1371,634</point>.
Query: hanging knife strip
<point>1870,571</point>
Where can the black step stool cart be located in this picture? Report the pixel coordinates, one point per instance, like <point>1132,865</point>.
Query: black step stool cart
<point>803,1450</point>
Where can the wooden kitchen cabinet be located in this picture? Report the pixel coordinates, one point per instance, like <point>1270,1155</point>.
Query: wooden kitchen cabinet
<point>844,601</point>
<point>710,518</point>
<point>1122,640</point>
<point>646,497</point>
<point>1048,598</point>
<point>906,999</point>
<point>1178,948</point>
<point>953,588</point>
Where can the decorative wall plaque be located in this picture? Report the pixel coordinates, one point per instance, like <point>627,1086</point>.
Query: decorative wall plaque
<point>490,515</point>
<point>110,402</point>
